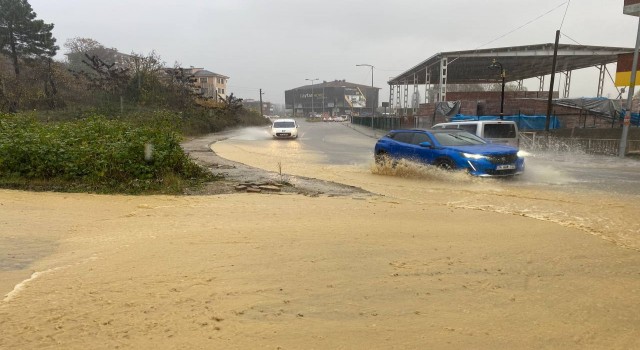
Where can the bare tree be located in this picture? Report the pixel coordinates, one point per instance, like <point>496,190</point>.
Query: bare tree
<point>78,48</point>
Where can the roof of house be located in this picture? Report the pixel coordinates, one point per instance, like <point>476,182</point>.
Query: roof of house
<point>206,73</point>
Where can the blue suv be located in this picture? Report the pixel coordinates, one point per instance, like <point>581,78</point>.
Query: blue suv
<point>450,149</point>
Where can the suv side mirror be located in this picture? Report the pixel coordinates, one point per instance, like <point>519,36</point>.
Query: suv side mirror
<point>425,144</point>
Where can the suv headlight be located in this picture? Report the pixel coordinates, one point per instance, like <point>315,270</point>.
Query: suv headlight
<point>473,156</point>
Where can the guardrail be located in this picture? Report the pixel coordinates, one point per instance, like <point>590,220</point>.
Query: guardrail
<point>382,123</point>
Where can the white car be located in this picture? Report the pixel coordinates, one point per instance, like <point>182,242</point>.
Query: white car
<point>284,129</point>
<point>342,118</point>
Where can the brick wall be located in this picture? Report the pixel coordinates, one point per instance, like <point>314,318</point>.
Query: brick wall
<point>519,102</point>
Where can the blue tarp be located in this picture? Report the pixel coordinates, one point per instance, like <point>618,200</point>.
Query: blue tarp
<point>524,122</point>
<point>635,118</point>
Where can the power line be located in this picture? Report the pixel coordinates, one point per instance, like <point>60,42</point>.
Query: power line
<point>568,37</point>
<point>389,70</point>
<point>565,14</point>
<point>612,80</point>
<point>242,87</point>
<point>522,26</point>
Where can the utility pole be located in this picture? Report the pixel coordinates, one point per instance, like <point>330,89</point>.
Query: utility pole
<point>261,113</point>
<point>323,99</point>
<point>497,65</point>
<point>374,103</point>
<point>622,148</point>
<point>313,111</point>
<point>553,74</point>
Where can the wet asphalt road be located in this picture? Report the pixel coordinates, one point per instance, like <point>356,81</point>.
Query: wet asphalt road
<point>343,143</point>
<point>338,141</point>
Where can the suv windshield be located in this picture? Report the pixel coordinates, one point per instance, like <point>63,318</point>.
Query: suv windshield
<point>284,125</point>
<point>457,138</point>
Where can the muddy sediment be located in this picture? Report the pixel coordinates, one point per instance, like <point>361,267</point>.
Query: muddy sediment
<point>429,262</point>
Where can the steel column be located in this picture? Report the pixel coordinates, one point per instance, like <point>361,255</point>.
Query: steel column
<point>602,69</point>
<point>427,86</point>
<point>415,100</point>
<point>541,87</point>
<point>567,83</point>
<point>405,98</point>
<point>391,98</point>
<point>442,94</point>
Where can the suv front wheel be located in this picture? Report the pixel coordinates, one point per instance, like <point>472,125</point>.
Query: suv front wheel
<point>381,157</point>
<point>445,164</point>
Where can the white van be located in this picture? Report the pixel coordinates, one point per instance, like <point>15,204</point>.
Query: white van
<point>496,131</point>
<point>284,129</point>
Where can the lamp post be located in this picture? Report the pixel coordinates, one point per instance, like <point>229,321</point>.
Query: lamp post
<point>373,103</point>
<point>323,100</point>
<point>261,111</point>
<point>312,110</point>
<point>497,65</point>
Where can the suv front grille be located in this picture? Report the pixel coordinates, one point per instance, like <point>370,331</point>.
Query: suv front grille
<point>508,158</point>
<point>502,172</point>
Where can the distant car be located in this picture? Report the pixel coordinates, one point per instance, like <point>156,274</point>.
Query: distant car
<point>450,149</point>
<point>284,129</point>
<point>342,118</point>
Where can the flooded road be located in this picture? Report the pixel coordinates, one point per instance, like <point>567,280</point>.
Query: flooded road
<point>346,144</point>
<point>577,171</point>
<point>599,195</point>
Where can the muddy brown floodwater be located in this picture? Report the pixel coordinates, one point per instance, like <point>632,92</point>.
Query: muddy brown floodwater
<point>404,258</point>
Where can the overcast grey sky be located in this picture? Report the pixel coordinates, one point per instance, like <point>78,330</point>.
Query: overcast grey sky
<point>277,44</point>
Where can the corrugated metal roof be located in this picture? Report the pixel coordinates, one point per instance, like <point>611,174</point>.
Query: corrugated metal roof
<point>519,62</point>
<point>335,83</point>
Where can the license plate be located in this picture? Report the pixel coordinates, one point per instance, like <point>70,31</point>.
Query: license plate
<point>506,167</point>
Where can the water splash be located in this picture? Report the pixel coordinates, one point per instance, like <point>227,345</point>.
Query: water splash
<point>408,169</point>
<point>252,134</point>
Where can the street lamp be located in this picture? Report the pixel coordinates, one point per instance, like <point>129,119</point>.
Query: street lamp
<point>322,100</point>
<point>312,110</point>
<point>497,65</point>
<point>373,103</point>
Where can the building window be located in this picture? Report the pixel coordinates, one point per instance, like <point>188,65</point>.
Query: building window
<point>203,80</point>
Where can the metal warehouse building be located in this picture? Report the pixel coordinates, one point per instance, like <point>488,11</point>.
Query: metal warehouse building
<point>332,98</point>
<point>515,64</point>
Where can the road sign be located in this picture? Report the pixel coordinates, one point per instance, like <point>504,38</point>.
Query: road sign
<point>623,70</point>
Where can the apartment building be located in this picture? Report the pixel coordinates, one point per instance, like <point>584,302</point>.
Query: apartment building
<point>211,85</point>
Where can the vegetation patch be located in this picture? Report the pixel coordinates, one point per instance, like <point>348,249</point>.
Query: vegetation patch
<point>95,154</point>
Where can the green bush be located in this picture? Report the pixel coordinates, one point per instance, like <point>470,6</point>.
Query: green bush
<point>96,153</point>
